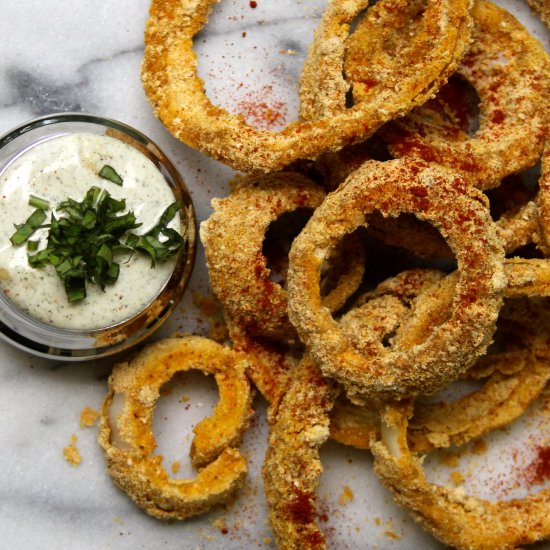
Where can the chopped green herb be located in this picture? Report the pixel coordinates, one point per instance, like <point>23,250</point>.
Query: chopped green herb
<point>85,239</point>
<point>109,173</point>
<point>25,230</point>
<point>32,246</point>
<point>37,202</point>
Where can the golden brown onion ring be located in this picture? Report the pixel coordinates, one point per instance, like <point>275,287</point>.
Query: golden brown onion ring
<point>292,466</point>
<point>169,75</point>
<point>457,519</point>
<point>126,428</point>
<point>413,46</point>
<point>511,72</point>
<point>433,194</point>
<point>233,237</point>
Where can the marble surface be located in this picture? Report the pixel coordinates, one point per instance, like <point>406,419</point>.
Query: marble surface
<point>85,56</point>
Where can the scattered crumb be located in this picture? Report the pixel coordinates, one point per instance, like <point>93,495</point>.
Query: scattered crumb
<point>378,521</point>
<point>118,520</point>
<point>70,452</point>
<point>346,496</point>
<point>185,399</point>
<point>4,274</point>
<point>457,478</point>
<point>392,535</point>
<point>175,467</point>
<point>449,459</point>
<point>479,447</point>
<point>88,416</point>
<point>267,540</point>
<point>221,524</point>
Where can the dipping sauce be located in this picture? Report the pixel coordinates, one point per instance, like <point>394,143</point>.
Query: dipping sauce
<point>67,166</point>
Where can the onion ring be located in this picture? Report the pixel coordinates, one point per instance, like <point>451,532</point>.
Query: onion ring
<point>457,519</point>
<point>433,194</point>
<point>128,442</point>
<point>239,276</point>
<point>436,35</point>
<point>169,76</point>
<point>292,466</point>
<point>511,72</point>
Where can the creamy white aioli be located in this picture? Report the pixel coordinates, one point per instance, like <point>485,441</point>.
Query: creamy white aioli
<point>67,166</point>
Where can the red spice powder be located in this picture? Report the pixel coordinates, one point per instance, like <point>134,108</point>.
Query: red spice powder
<point>261,110</point>
<point>538,471</point>
<point>301,509</point>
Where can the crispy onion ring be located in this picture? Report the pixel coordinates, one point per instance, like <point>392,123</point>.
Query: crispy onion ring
<point>377,58</point>
<point>169,75</point>
<point>233,237</point>
<point>457,519</point>
<point>292,466</point>
<point>511,72</point>
<point>126,428</point>
<point>433,194</point>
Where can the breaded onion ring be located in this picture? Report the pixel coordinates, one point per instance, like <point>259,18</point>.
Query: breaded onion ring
<point>511,72</point>
<point>169,75</point>
<point>459,212</point>
<point>233,237</point>
<point>413,46</point>
<point>126,428</point>
<point>292,466</point>
<point>516,374</point>
<point>457,519</point>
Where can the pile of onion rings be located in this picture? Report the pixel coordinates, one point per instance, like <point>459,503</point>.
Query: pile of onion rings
<point>374,261</point>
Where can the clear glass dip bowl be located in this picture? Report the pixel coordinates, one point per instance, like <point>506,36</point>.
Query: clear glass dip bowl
<point>47,340</point>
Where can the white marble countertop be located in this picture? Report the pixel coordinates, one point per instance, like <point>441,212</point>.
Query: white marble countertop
<point>85,56</point>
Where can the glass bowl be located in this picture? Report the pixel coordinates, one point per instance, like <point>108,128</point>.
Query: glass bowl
<point>50,339</point>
